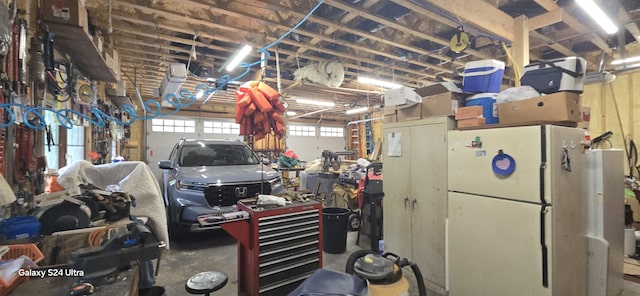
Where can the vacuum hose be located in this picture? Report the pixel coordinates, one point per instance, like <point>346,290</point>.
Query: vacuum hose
<point>401,262</point>
<point>422,289</point>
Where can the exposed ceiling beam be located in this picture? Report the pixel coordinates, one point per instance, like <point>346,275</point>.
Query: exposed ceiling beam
<point>328,23</point>
<point>545,19</point>
<point>401,28</point>
<point>480,14</point>
<point>383,65</point>
<point>173,16</point>
<point>344,20</point>
<point>550,5</point>
<point>628,23</point>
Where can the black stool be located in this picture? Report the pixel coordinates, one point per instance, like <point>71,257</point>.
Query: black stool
<point>206,282</point>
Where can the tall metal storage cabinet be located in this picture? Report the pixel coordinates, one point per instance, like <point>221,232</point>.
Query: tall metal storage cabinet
<point>278,247</point>
<point>415,187</point>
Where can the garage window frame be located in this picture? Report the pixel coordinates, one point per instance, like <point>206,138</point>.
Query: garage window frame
<point>220,127</point>
<point>333,132</point>
<point>173,126</point>
<point>302,130</point>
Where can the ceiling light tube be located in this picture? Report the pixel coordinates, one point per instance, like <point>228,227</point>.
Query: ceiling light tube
<point>381,83</point>
<point>626,61</point>
<point>598,15</point>
<point>237,58</point>
<point>314,102</point>
<point>357,110</point>
<point>291,113</point>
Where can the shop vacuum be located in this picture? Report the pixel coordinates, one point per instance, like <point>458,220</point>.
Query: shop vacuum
<point>367,274</point>
<point>384,272</point>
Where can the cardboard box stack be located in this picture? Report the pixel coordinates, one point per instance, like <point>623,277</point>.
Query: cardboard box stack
<point>405,104</point>
<point>470,116</point>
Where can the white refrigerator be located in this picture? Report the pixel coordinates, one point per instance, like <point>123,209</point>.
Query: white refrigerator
<point>517,212</point>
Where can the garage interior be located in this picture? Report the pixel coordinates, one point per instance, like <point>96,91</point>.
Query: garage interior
<point>325,147</point>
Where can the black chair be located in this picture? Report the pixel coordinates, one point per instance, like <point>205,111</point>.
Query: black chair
<point>206,282</point>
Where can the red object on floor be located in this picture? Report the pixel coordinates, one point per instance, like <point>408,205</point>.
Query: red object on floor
<point>360,194</point>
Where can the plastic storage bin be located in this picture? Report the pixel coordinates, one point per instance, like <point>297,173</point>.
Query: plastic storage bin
<point>488,103</point>
<point>547,77</point>
<point>19,227</point>
<point>484,76</point>
<point>15,251</point>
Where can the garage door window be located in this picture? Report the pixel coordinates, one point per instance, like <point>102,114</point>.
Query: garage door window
<point>173,126</point>
<point>222,128</point>
<point>337,132</point>
<point>302,130</point>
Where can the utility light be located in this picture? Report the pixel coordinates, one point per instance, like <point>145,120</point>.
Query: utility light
<point>598,15</point>
<point>381,83</point>
<point>314,102</point>
<point>238,57</point>
<point>357,110</point>
<point>291,113</point>
<point>626,61</point>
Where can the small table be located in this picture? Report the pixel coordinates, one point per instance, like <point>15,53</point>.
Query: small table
<point>286,178</point>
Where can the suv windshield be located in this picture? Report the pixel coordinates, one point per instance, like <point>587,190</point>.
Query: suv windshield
<point>202,154</point>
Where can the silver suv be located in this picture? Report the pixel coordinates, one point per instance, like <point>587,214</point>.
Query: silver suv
<point>203,180</point>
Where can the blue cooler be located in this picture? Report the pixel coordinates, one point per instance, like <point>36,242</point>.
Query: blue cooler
<point>488,103</point>
<point>483,76</point>
<point>19,227</point>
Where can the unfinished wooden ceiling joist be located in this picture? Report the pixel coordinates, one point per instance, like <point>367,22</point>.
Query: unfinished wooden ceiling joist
<point>401,40</point>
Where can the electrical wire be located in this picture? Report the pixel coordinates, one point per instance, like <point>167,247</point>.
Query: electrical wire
<point>152,108</point>
<point>516,67</point>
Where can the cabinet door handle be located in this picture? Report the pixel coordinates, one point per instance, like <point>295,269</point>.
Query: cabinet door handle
<point>413,203</point>
<point>406,201</point>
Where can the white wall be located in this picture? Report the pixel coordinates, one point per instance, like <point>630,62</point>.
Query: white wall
<point>310,148</point>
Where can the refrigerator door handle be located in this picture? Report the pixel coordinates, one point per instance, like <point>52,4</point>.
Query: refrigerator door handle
<point>543,245</point>
<point>406,201</point>
<point>413,203</point>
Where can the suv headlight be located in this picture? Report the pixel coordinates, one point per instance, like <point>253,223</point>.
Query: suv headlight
<point>275,181</point>
<point>191,185</point>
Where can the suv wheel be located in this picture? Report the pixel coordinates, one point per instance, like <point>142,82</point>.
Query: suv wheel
<point>176,231</point>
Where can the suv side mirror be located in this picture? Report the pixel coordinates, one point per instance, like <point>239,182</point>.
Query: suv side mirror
<point>165,165</point>
<point>265,161</point>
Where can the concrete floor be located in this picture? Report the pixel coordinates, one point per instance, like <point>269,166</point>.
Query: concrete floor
<point>216,250</point>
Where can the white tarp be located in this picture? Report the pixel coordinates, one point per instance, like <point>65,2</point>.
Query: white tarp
<point>133,177</point>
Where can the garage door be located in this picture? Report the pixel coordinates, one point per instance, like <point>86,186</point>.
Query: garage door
<point>166,131</point>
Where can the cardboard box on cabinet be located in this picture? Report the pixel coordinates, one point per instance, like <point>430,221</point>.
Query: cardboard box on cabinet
<point>557,107</point>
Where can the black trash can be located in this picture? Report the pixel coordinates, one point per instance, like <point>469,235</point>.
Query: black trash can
<point>335,224</point>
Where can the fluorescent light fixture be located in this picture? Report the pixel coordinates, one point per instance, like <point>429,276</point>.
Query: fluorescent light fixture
<point>357,110</point>
<point>314,102</point>
<point>200,94</point>
<point>381,83</point>
<point>598,15</point>
<point>633,66</point>
<point>291,113</point>
<point>626,61</point>
<point>237,58</point>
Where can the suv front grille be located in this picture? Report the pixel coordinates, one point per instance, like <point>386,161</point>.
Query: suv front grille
<point>228,195</point>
